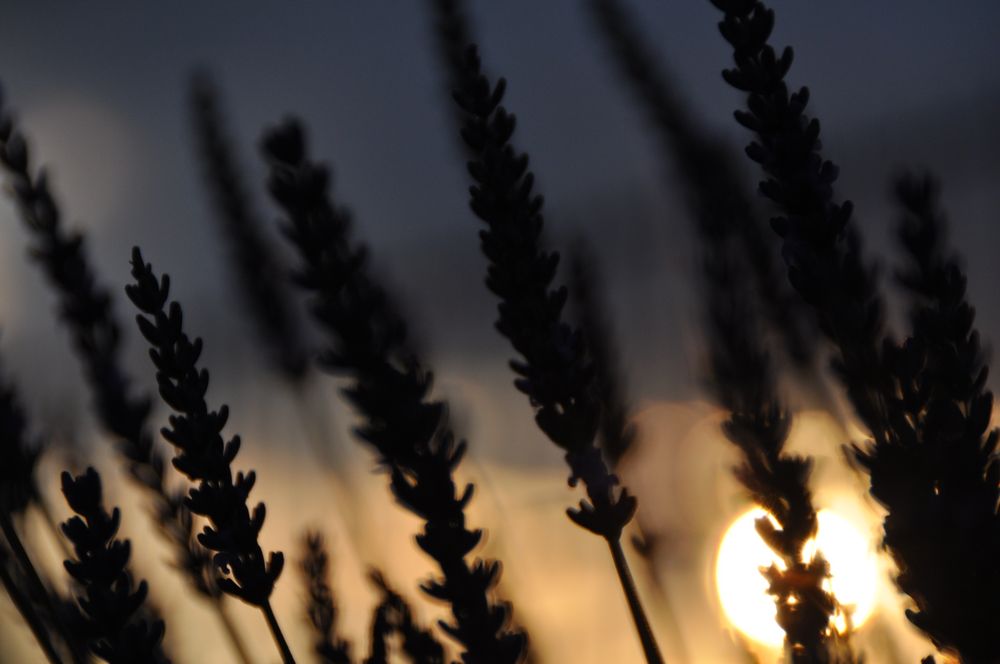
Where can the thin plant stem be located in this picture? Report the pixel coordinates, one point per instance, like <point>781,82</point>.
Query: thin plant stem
<point>230,628</point>
<point>86,309</point>
<point>616,434</point>
<point>367,341</point>
<point>203,455</point>
<point>37,587</point>
<point>667,612</point>
<point>649,647</point>
<point>17,548</point>
<point>552,369</point>
<point>26,609</point>
<point>279,637</point>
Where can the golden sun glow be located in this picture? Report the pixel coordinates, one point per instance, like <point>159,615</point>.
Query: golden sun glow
<point>742,588</point>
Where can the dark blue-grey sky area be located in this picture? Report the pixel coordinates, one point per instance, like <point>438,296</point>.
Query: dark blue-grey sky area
<point>101,90</point>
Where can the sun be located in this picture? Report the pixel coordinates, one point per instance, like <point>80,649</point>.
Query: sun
<point>743,590</point>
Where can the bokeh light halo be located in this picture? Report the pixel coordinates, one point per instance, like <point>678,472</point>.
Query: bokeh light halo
<point>742,589</point>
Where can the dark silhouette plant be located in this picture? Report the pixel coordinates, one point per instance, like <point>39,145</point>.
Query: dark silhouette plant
<point>553,371</point>
<point>714,191</point>
<point>393,615</point>
<point>320,607</point>
<point>19,455</point>
<point>110,603</point>
<point>930,458</point>
<point>203,455</point>
<point>616,433</point>
<point>86,309</point>
<point>13,586</point>
<point>259,277</point>
<point>367,341</point>
<point>740,376</point>
<point>260,281</point>
<point>945,516</point>
<point>452,28</point>
<point>18,490</point>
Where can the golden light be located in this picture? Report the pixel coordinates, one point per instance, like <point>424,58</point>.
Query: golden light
<point>743,590</point>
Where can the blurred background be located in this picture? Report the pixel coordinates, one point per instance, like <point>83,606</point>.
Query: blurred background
<point>102,91</point>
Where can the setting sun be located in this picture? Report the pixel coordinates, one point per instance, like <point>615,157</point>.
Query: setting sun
<point>742,588</point>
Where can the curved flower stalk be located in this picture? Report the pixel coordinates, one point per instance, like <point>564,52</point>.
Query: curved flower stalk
<point>260,281</point>
<point>820,246</point>
<point>18,490</point>
<point>394,616</point>
<point>367,341</point>
<point>715,194</point>
<point>741,379</point>
<point>553,372</point>
<point>321,610</point>
<point>931,457</point>
<point>453,32</point>
<point>258,276</point>
<point>944,531</point>
<point>111,605</point>
<point>616,433</point>
<point>18,456</point>
<point>86,309</point>
<point>202,454</point>
<point>28,609</point>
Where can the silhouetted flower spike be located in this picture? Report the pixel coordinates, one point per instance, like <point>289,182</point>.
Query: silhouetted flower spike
<point>32,613</point>
<point>367,342</point>
<point>821,248</point>
<point>18,455</point>
<point>552,369</point>
<point>321,610</point>
<point>109,601</point>
<point>418,644</point>
<point>86,309</point>
<point>740,377</point>
<point>452,33</point>
<point>947,446</point>
<point>930,459</point>
<point>258,275</point>
<point>554,372</point>
<point>202,454</point>
<point>715,194</point>
<point>615,433</point>
<point>18,490</point>
<point>381,630</point>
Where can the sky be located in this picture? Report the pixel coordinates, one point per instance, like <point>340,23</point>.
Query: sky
<point>100,89</point>
<point>102,93</point>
